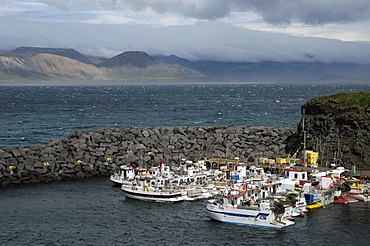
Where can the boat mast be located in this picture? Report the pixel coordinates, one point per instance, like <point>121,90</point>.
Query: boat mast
<point>304,139</point>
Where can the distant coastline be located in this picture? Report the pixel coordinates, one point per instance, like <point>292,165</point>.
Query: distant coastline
<point>169,81</point>
<point>37,64</point>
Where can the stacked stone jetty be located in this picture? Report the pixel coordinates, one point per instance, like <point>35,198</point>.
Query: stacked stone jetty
<point>97,153</point>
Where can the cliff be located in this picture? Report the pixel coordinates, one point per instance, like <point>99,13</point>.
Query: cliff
<point>48,66</point>
<point>338,126</point>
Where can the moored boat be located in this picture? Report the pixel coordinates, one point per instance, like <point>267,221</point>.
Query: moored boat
<point>359,192</point>
<point>314,205</point>
<point>344,199</point>
<point>122,173</point>
<point>235,209</point>
<point>299,205</point>
<point>150,190</point>
<point>341,194</point>
<point>313,202</point>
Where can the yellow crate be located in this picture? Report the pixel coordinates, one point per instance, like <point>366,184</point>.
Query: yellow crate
<point>312,154</point>
<point>282,160</point>
<point>265,160</point>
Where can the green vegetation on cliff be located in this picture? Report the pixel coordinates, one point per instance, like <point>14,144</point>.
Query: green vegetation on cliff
<point>338,127</point>
<point>348,99</point>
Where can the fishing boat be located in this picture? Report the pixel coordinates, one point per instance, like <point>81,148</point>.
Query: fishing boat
<point>299,205</point>
<point>344,199</point>
<point>122,173</point>
<point>359,192</point>
<point>235,209</point>
<point>319,192</point>
<point>314,205</point>
<point>155,190</point>
<point>341,194</point>
<point>313,202</point>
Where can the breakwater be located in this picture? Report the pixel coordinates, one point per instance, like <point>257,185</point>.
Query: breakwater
<point>96,153</point>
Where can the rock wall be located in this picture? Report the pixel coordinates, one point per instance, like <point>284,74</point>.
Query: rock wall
<point>86,154</point>
<point>338,132</point>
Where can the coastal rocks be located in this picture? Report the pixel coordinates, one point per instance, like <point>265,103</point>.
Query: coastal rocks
<point>338,127</point>
<point>97,153</point>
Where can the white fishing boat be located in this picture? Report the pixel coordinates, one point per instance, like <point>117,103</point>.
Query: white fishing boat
<point>161,184</point>
<point>298,204</point>
<point>195,192</point>
<point>235,209</point>
<point>157,190</point>
<point>122,173</point>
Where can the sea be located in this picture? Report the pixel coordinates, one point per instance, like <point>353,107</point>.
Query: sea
<point>93,212</point>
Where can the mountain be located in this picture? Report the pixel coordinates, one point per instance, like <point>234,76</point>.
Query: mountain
<point>130,59</point>
<point>138,64</point>
<point>175,60</point>
<point>272,71</point>
<point>69,53</point>
<point>55,63</point>
<point>44,66</point>
<point>51,63</point>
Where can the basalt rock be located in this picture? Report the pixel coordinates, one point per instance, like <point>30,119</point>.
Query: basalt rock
<point>97,153</point>
<point>338,127</point>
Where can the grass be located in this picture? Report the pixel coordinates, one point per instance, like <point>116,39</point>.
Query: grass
<point>349,99</point>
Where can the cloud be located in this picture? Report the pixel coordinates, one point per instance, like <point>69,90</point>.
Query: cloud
<point>211,40</point>
<point>313,12</point>
<point>62,5</point>
<point>193,29</point>
<point>272,11</point>
<point>199,9</point>
<point>309,11</point>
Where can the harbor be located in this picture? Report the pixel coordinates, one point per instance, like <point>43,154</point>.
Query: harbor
<point>188,122</point>
<point>91,211</point>
<point>67,181</point>
<point>284,192</point>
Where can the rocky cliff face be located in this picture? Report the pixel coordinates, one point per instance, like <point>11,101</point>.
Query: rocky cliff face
<point>57,66</point>
<point>338,126</point>
<point>45,65</point>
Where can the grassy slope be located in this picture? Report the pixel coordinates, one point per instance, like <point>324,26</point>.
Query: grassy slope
<point>348,99</point>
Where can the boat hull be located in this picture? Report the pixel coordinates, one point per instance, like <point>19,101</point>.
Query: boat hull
<point>344,199</point>
<point>170,197</point>
<point>315,205</point>
<point>246,217</point>
<point>117,182</point>
<point>360,197</point>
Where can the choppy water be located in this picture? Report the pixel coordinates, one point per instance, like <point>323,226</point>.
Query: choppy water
<point>92,212</point>
<point>38,114</point>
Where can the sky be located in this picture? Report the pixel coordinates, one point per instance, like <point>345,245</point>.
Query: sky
<point>221,30</point>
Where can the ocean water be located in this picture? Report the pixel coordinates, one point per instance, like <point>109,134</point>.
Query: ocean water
<point>92,212</point>
<point>38,114</point>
